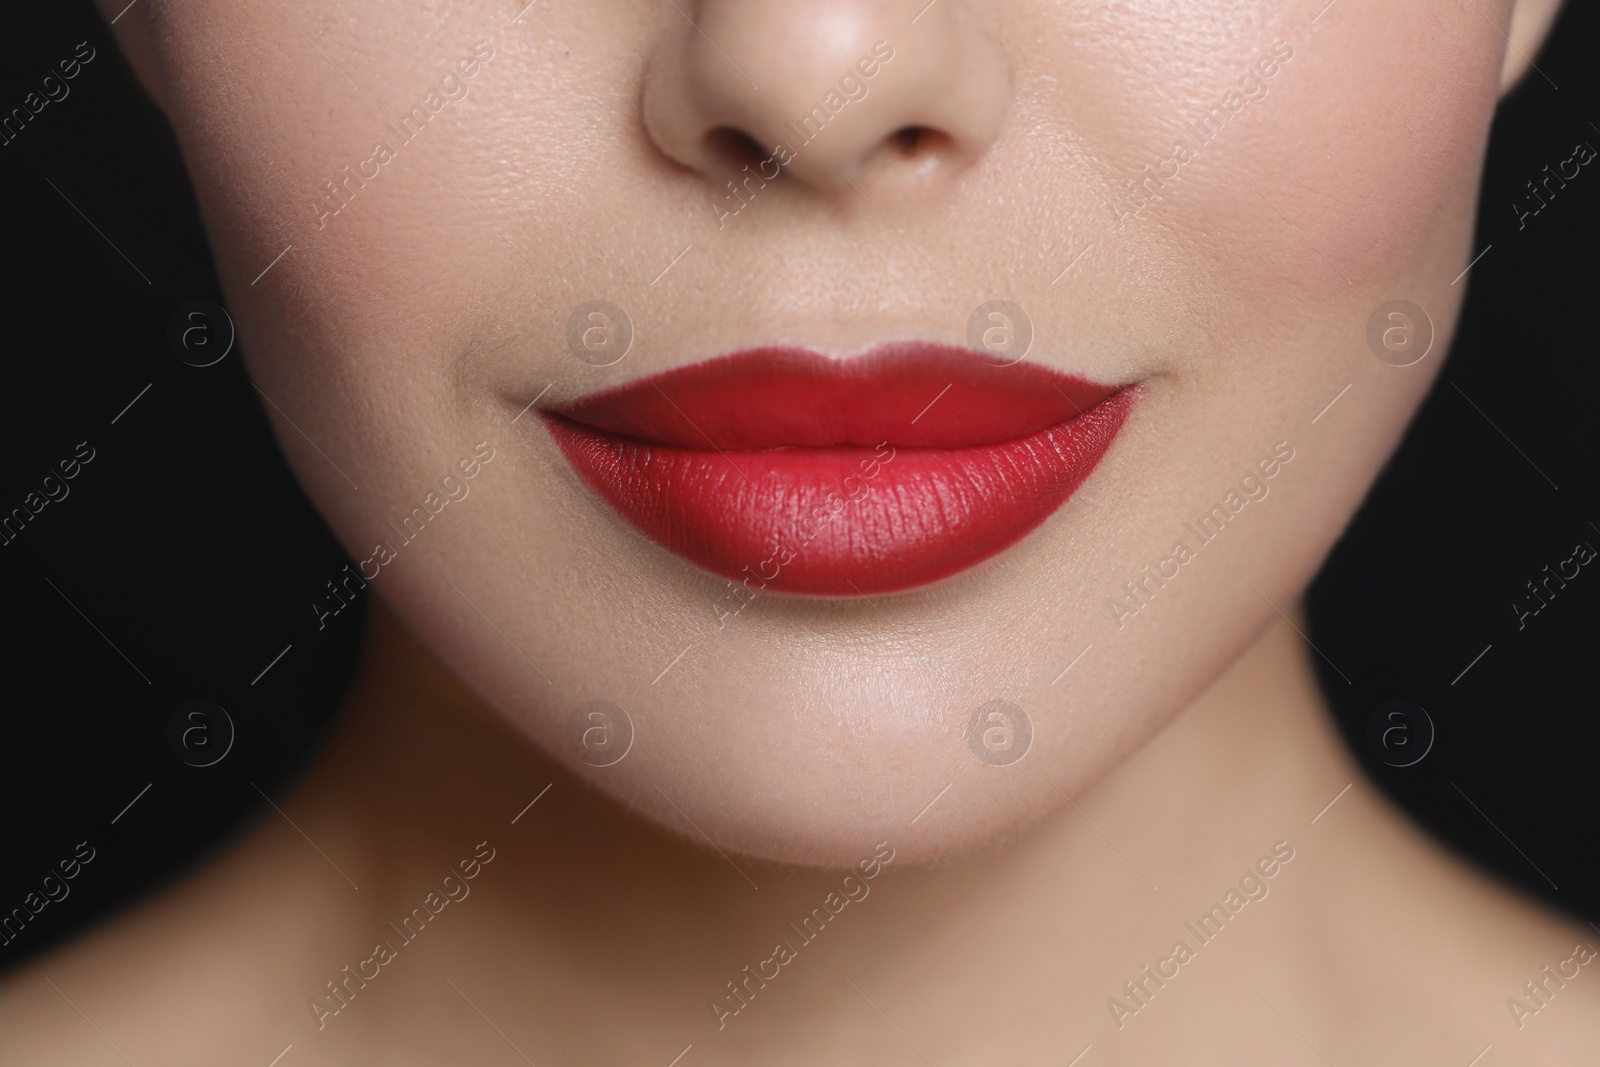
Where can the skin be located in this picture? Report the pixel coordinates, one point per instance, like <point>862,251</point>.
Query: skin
<point>424,316</point>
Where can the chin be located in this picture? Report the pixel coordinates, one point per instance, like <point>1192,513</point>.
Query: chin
<point>802,768</point>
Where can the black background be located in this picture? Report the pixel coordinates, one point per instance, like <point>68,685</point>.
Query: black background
<point>189,547</point>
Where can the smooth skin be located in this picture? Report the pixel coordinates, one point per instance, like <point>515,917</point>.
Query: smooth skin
<point>586,154</point>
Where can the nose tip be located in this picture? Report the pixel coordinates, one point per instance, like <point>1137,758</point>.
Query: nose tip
<point>826,89</point>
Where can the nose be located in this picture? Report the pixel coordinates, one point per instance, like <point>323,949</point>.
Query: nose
<point>841,88</point>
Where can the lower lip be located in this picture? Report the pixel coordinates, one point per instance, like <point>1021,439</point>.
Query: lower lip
<point>842,521</point>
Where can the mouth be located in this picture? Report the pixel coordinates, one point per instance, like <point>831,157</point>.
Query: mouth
<point>800,473</point>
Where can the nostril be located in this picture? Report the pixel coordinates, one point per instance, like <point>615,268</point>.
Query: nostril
<point>914,142</point>
<point>734,148</point>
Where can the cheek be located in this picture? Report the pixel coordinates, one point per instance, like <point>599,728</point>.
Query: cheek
<point>1356,176</point>
<point>368,289</point>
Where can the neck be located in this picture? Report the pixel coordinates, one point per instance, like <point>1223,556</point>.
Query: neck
<point>582,896</point>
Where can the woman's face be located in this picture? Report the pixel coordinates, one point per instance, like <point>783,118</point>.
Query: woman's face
<point>1207,203</point>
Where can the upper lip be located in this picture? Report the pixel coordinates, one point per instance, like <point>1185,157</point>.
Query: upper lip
<point>909,394</point>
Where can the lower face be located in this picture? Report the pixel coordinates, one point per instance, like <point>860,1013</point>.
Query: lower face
<point>1191,329</point>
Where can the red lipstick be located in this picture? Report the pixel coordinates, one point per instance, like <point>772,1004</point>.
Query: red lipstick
<point>796,472</point>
